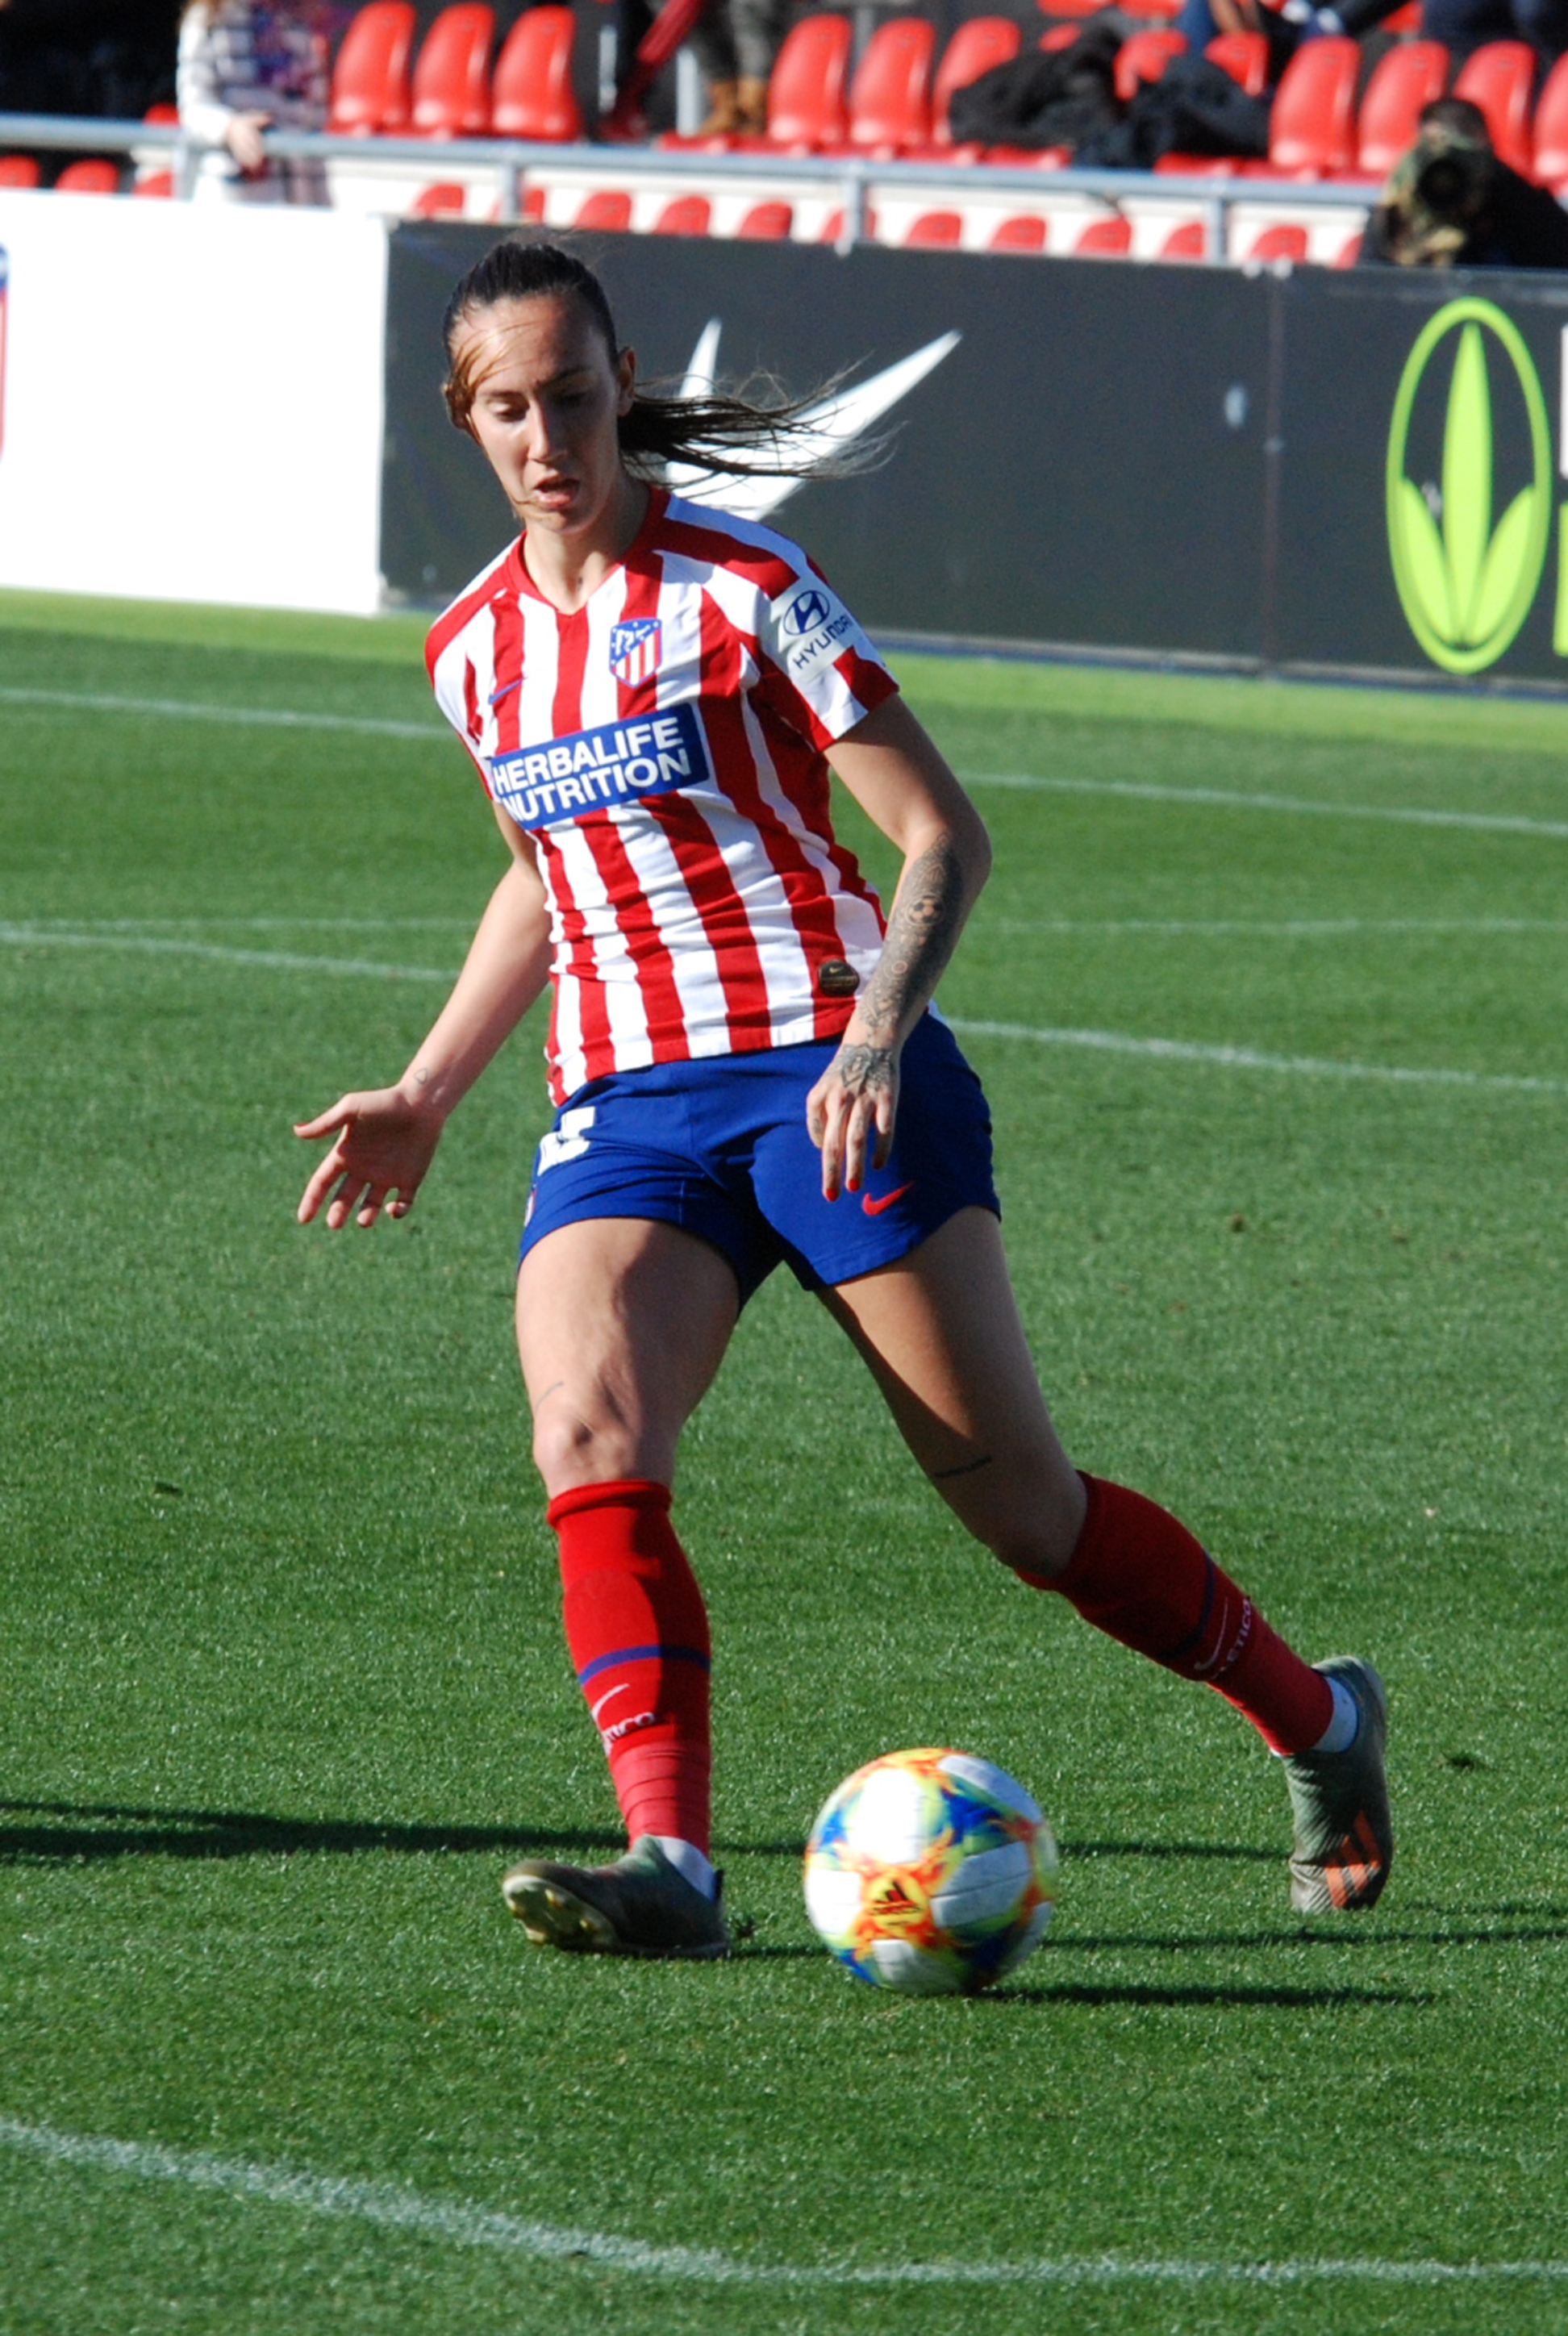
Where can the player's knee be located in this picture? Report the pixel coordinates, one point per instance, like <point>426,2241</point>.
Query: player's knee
<point>1031,1527</point>
<point>586,1442</point>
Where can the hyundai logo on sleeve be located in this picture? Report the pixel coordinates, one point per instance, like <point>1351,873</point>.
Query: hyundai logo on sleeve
<point>806,614</point>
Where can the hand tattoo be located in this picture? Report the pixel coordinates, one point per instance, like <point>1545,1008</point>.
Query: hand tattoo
<point>864,1070</point>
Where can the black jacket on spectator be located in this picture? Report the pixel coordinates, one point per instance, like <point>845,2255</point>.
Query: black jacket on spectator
<point>1520,226</point>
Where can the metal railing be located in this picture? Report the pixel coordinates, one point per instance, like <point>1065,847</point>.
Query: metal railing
<point>848,177</point>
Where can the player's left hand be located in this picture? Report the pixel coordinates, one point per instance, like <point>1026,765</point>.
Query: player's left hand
<point>855,1101</point>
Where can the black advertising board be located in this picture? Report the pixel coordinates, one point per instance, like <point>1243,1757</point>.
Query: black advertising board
<point>1078,466</point>
<point>1335,471</point>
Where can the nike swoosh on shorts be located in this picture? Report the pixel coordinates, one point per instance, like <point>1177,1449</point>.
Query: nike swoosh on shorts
<point>874,1208</point>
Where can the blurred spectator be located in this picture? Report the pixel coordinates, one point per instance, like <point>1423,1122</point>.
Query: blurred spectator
<point>735,43</point>
<point>1463,26</point>
<point>86,56</point>
<point>1450,203</point>
<point>244,67</point>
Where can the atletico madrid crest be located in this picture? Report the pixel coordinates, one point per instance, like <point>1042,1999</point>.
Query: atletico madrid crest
<point>634,650</point>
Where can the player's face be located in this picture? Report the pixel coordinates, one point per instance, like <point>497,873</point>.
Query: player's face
<point>547,397</point>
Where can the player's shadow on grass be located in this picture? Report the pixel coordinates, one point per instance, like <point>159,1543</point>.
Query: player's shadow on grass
<point>1257,1999</point>
<point>84,1831</point>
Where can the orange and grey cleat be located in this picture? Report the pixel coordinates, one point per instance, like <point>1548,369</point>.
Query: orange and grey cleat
<point>641,1905</point>
<point>1344,1844</point>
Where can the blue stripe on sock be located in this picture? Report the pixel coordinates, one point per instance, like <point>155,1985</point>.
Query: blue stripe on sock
<point>1195,1638</point>
<point>644,1655</point>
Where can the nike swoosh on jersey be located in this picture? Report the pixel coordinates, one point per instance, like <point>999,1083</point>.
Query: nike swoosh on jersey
<point>874,1208</point>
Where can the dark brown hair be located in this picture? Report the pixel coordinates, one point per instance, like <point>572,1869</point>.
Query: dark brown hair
<point>718,431</point>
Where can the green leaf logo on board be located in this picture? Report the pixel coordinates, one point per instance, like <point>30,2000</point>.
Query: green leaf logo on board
<point>1466,585</point>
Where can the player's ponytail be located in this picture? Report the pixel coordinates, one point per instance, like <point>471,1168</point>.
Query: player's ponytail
<point>717,431</point>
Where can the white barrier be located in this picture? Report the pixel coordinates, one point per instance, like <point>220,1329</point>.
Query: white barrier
<point>192,406</point>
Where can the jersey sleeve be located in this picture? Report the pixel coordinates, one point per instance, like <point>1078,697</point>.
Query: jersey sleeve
<point>830,676</point>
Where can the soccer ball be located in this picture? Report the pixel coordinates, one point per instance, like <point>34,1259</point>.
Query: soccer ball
<point>931,1871</point>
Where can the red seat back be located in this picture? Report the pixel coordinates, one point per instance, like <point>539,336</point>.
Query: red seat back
<point>534,95</point>
<point>1312,127</point>
<point>1019,235</point>
<point>1406,80</point>
<point>1245,57</point>
<point>1550,159</point>
<point>1144,58</point>
<point>158,187</point>
<point>890,96</point>
<point>687,215</point>
<point>935,231</point>
<point>975,48</point>
<point>89,179</point>
<point>452,77</point>
<point>1501,80</point>
<point>370,79</point>
<point>805,98</point>
<point>447,200</point>
<point>1188,241</point>
<point>1286,242</point>
<point>18,170</point>
<point>1112,238</point>
<point>610,208</point>
<point>766,223</point>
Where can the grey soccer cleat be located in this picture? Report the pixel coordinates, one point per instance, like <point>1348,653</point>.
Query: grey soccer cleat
<point>1344,1844</point>
<point>641,1905</point>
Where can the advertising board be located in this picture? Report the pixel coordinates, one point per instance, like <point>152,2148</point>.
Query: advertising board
<point>190,402</point>
<point>1354,470</point>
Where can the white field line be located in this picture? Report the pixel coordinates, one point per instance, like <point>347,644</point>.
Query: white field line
<point>1107,1042</point>
<point>1311,806</point>
<point>394,2207</point>
<point>1246,1058</point>
<point>250,717</point>
<point>284,718</point>
<point>1271,928</point>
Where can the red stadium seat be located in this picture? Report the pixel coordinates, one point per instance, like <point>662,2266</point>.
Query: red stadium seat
<point>18,170</point>
<point>1312,126</point>
<point>609,208</point>
<point>766,223</point>
<point>935,231</point>
<point>1245,57</point>
<point>687,215</point>
<point>890,95</point>
<point>534,95</point>
<point>370,78</point>
<point>447,200</point>
<point>1501,80</point>
<point>975,49</point>
<point>157,186</point>
<point>1144,57</point>
<point>1551,158</point>
<point>89,179</point>
<point>1105,238</point>
<point>834,227</point>
<point>1188,241</point>
<point>1019,235</point>
<point>1349,253</point>
<point>1285,242</point>
<point>805,99</point>
<point>452,77</point>
<point>1061,36</point>
<point>1402,82</point>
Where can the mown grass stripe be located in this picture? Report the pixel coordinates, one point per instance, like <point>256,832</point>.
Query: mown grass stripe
<point>394,2207</point>
<point>251,717</point>
<point>1110,1041</point>
<point>1309,806</point>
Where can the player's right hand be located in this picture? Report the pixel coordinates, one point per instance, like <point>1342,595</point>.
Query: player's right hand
<point>384,1144</point>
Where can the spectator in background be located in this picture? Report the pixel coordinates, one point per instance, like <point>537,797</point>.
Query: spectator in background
<point>244,68</point>
<point>735,43</point>
<point>1462,25</point>
<point>110,59</point>
<point>1450,203</point>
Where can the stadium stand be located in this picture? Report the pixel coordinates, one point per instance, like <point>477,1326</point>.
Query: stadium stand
<point>890,95</point>
<point>687,215</point>
<point>532,95</point>
<point>1501,80</point>
<point>91,178</point>
<point>451,88</point>
<point>1407,78</point>
<point>19,170</point>
<point>1551,148</point>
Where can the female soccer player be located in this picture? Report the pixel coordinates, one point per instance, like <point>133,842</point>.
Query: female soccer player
<point>746,1070</point>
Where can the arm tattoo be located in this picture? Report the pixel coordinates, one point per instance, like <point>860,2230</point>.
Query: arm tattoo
<point>965,1468</point>
<point>926,917</point>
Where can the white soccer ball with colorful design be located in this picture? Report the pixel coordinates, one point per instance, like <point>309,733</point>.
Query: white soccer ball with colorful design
<point>930,1872</point>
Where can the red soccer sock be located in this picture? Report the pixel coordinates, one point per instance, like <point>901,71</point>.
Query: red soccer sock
<point>638,1631</point>
<point>1138,1575</point>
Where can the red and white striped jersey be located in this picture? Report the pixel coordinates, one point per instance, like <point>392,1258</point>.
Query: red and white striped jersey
<point>664,748</point>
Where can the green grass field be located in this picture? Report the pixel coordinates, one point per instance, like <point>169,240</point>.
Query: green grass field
<point>281,1681</point>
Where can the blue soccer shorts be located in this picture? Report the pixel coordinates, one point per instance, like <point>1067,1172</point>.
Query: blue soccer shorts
<point>720,1148</point>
